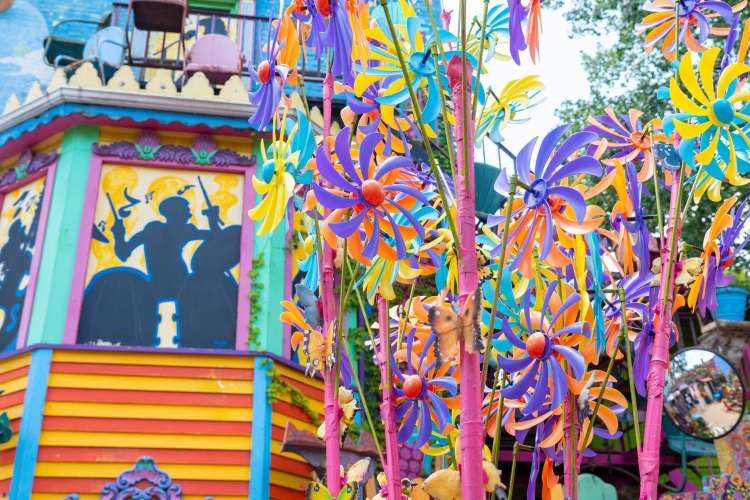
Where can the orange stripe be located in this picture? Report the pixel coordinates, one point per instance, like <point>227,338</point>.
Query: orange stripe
<point>290,410</point>
<point>200,427</point>
<point>131,455</point>
<point>290,466</point>
<point>189,487</point>
<point>13,399</point>
<point>281,493</point>
<point>14,374</point>
<point>307,390</point>
<point>153,371</point>
<point>149,397</point>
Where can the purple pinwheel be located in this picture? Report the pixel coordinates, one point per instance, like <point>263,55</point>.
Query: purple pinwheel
<point>307,12</point>
<point>637,288</point>
<point>364,199</point>
<point>419,392</point>
<point>272,78</point>
<point>516,18</point>
<point>544,347</point>
<point>546,200</point>
<point>729,43</point>
<point>339,38</point>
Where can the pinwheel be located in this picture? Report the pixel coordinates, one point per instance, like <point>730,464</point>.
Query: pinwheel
<point>338,37</point>
<point>589,274</point>
<point>517,15</point>
<point>711,114</point>
<point>691,14</point>
<point>718,254</point>
<point>419,391</point>
<point>364,199</point>
<point>637,288</point>
<point>272,76</point>
<point>542,345</point>
<point>516,96</point>
<point>627,139</point>
<point>307,12</point>
<point>587,392</point>
<point>548,203</point>
<point>496,29</point>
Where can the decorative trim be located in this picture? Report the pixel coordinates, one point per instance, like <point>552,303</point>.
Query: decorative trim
<point>148,147</point>
<point>28,163</point>
<point>27,450</point>
<point>129,483</point>
<point>260,446</point>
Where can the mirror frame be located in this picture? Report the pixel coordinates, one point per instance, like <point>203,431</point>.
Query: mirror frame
<point>736,372</point>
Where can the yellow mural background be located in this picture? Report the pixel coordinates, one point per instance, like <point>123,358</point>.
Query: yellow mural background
<point>156,184</point>
<point>35,190</point>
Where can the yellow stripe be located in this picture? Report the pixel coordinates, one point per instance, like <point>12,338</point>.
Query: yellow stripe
<point>15,385</point>
<point>281,420</point>
<point>6,471</point>
<point>315,405</point>
<point>176,471</point>
<point>299,376</point>
<point>14,412</point>
<point>10,444</point>
<point>135,383</point>
<point>289,480</point>
<point>159,412</point>
<point>276,450</point>
<point>14,363</point>
<point>143,440</point>
<point>154,359</point>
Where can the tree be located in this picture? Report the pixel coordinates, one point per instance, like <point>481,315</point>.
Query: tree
<point>622,75</point>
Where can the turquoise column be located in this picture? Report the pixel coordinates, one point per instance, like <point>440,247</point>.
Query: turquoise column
<point>271,250</point>
<point>260,451</point>
<point>59,251</point>
<point>22,483</point>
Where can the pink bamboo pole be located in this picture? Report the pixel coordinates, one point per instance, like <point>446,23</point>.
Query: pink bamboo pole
<point>387,408</point>
<point>570,443</point>
<point>472,428</point>
<point>328,300</point>
<point>649,456</point>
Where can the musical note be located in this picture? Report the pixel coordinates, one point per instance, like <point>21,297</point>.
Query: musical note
<point>149,196</point>
<point>185,189</point>
<point>125,211</point>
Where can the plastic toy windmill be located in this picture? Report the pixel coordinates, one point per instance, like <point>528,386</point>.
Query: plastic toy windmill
<point>365,198</point>
<point>628,139</point>
<point>587,392</point>
<point>272,76</point>
<point>516,96</point>
<point>496,29</point>
<point>544,340</point>
<point>306,11</point>
<point>549,205</point>
<point>691,16</point>
<point>338,37</point>
<point>719,251</point>
<point>710,114</point>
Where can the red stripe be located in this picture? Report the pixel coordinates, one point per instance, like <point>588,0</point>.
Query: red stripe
<point>281,493</point>
<point>5,486</point>
<point>277,433</point>
<point>131,455</point>
<point>189,487</point>
<point>7,456</point>
<point>13,399</point>
<point>14,374</point>
<point>149,397</point>
<point>307,390</point>
<point>284,464</point>
<point>290,410</point>
<point>154,371</point>
<point>198,427</point>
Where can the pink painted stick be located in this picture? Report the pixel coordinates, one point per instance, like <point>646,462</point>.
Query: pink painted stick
<point>387,408</point>
<point>657,370</point>
<point>569,442</point>
<point>328,300</point>
<point>472,428</point>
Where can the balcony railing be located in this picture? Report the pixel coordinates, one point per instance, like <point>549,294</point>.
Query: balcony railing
<point>156,50</point>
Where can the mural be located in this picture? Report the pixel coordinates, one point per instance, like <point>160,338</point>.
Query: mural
<point>164,259</point>
<point>19,220</point>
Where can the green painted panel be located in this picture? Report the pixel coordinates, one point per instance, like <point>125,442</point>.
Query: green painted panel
<point>223,5</point>
<point>61,239</point>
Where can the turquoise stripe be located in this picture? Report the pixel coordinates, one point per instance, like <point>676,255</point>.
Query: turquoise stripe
<point>31,424</point>
<point>260,452</point>
<point>61,240</point>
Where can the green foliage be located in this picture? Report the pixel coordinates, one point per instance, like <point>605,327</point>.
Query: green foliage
<point>741,279</point>
<point>278,388</point>
<point>371,382</point>
<point>256,288</point>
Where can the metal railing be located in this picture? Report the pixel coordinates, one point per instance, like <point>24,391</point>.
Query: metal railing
<point>156,50</point>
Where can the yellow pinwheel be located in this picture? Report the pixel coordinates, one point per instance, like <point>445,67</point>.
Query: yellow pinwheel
<point>516,96</point>
<point>711,116</point>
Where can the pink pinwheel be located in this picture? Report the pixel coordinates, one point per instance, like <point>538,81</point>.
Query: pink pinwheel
<point>272,78</point>
<point>548,203</point>
<point>420,390</point>
<point>547,341</point>
<point>365,200</point>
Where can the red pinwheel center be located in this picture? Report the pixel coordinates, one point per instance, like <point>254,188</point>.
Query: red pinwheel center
<point>264,71</point>
<point>640,140</point>
<point>412,386</point>
<point>373,192</point>
<point>536,344</point>
<point>324,7</point>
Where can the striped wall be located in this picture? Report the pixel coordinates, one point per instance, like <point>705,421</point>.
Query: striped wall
<point>290,474</point>
<point>14,373</point>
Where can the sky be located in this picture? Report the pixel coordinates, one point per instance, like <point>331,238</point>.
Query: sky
<point>559,68</point>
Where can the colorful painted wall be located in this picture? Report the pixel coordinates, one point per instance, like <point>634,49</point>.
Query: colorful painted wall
<point>14,377</point>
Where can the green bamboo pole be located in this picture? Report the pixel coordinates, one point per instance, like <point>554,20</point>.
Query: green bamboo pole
<point>631,381</point>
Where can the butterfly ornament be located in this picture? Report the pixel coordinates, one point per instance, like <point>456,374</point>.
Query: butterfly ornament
<point>452,327</point>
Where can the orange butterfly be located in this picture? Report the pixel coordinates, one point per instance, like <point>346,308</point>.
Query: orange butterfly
<point>452,327</point>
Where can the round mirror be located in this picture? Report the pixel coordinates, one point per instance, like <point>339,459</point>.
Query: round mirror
<point>703,394</point>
